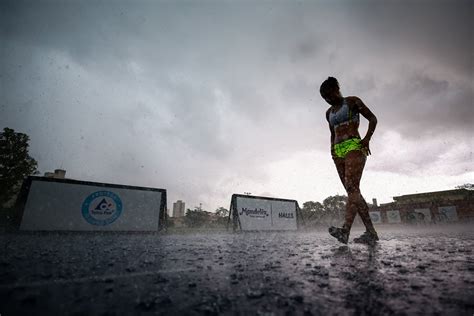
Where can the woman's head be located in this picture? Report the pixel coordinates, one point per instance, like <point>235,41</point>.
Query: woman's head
<point>330,90</point>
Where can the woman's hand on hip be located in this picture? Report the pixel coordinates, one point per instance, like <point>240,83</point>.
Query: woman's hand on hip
<point>365,146</point>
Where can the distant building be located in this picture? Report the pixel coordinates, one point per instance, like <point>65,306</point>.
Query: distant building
<point>57,174</point>
<point>431,207</point>
<point>178,209</point>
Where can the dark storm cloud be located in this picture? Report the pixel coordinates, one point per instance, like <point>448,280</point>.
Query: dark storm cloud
<point>439,28</point>
<point>433,105</point>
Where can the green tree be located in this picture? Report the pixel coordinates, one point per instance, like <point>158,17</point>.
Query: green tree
<point>335,207</point>
<point>312,206</point>
<point>196,217</point>
<point>312,212</point>
<point>222,212</point>
<point>15,163</point>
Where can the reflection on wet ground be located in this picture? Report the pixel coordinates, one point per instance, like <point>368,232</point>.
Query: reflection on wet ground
<point>412,271</point>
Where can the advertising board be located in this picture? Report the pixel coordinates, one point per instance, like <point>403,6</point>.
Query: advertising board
<point>393,217</point>
<point>264,213</point>
<point>422,215</point>
<point>63,204</point>
<point>375,217</point>
<point>448,213</point>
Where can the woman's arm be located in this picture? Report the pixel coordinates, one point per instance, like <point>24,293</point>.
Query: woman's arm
<point>331,128</point>
<point>367,113</point>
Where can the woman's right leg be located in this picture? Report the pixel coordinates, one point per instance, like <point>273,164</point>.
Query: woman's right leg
<point>355,162</point>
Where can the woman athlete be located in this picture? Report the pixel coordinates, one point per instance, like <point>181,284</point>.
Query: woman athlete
<point>349,153</point>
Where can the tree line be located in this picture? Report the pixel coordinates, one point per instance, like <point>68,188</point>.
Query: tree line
<point>329,212</point>
<point>15,164</point>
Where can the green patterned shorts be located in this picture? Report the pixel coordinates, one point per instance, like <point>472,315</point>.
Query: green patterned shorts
<point>342,149</point>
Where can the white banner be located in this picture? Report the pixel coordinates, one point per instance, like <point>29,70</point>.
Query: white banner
<point>266,214</point>
<point>422,215</point>
<point>448,213</point>
<point>84,207</point>
<point>375,217</point>
<point>393,217</point>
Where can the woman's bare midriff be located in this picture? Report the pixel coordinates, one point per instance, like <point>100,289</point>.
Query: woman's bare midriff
<point>344,132</point>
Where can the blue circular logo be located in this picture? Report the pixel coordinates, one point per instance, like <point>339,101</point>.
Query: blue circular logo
<point>101,208</point>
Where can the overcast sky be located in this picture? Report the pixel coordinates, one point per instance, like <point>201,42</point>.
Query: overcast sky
<point>210,98</point>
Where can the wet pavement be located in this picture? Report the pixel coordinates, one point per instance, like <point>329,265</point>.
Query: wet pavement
<point>412,271</point>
